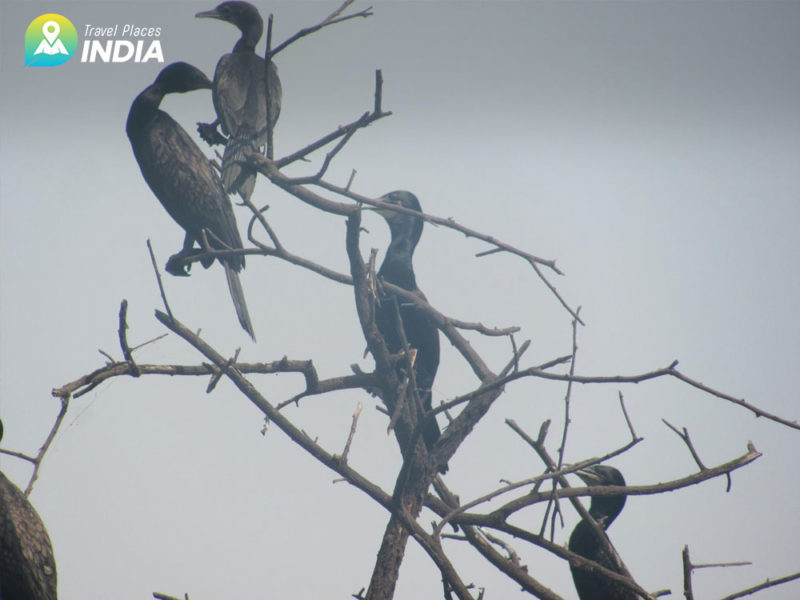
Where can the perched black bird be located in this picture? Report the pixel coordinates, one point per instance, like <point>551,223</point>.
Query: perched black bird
<point>183,179</point>
<point>584,541</point>
<point>239,94</point>
<point>27,565</point>
<point>419,327</point>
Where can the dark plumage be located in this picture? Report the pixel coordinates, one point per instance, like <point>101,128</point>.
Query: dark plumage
<point>420,329</point>
<point>183,179</point>
<point>27,565</point>
<point>239,94</point>
<point>584,541</point>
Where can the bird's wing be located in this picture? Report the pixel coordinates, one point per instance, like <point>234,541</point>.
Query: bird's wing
<point>187,185</point>
<point>27,565</point>
<point>239,96</point>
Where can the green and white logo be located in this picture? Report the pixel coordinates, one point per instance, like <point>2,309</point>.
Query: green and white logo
<point>50,41</point>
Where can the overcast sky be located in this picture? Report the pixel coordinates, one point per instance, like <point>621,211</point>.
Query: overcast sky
<point>651,148</point>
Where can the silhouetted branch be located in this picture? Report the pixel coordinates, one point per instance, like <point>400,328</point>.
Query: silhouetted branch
<point>331,19</point>
<point>258,215</point>
<point>481,328</point>
<point>328,138</point>
<point>565,429</point>
<point>158,277</point>
<point>37,461</point>
<point>762,586</point>
<point>639,378</point>
<point>515,572</point>
<point>500,514</point>
<point>688,593</point>
<point>236,376</point>
<point>83,384</point>
<point>123,338</point>
<point>353,426</point>
<point>627,418</point>
<point>159,596</point>
<point>363,121</point>
<point>684,435</point>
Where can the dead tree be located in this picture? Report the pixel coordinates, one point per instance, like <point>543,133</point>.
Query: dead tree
<point>488,523</point>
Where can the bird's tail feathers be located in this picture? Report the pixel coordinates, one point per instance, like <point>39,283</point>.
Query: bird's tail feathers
<point>236,177</point>
<point>237,294</point>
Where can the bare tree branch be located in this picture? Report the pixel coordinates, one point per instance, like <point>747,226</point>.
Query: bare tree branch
<point>352,434</point>
<point>331,19</point>
<point>762,586</point>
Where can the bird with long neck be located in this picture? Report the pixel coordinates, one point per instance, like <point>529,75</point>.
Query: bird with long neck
<point>183,180</point>
<point>419,327</point>
<point>27,564</point>
<point>240,96</point>
<point>585,541</point>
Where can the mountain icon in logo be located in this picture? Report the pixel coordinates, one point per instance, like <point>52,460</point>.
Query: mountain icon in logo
<point>50,40</point>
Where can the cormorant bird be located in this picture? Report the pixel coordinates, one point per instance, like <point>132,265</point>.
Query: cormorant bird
<point>239,95</point>
<point>27,566</point>
<point>183,179</point>
<point>419,327</point>
<point>584,540</point>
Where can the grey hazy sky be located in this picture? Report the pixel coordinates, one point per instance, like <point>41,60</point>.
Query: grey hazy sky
<point>650,147</point>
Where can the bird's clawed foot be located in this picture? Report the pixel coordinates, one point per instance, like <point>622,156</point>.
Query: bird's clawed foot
<point>176,265</point>
<point>208,132</point>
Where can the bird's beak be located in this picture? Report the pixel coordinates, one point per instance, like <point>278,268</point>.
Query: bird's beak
<point>589,476</point>
<point>208,14</point>
<point>384,212</point>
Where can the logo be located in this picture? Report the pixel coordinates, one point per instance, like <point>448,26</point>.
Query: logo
<point>50,40</point>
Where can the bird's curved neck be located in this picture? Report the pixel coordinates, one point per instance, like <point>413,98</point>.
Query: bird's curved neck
<point>606,508</point>
<point>250,36</point>
<point>150,97</point>
<point>397,267</point>
<point>145,105</point>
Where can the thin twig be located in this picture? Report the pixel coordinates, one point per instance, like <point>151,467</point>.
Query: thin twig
<point>502,378</point>
<point>687,574</point>
<point>353,426</point>
<point>669,371</point>
<point>83,384</point>
<point>348,133</point>
<point>123,338</point>
<point>325,140</point>
<point>218,375</point>
<point>564,430</point>
<point>46,446</point>
<point>627,418</point>
<point>367,12</point>
<point>376,109</point>
<point>351,179</point>
<point>480,327</point>
<point>738,563</point>
<point>533,497</point>
<point>158,278</point>
<point>684,435</point>
<point>148,342</point>
<point>762,586</point>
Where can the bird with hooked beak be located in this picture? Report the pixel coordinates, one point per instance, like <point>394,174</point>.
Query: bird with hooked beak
<point>183,180</point>
<point>240,96</point>
<point>419,327</point>
<point>585,541</point>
